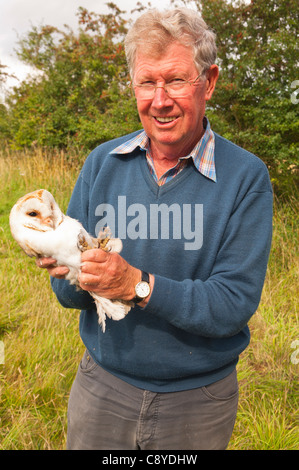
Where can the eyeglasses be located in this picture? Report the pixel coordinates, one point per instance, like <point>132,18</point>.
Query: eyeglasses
<point>175,89</point>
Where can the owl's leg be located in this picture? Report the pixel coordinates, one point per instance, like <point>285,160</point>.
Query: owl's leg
<point>103,238</point>
<point>107,243</point>
<point>83,244</point>
<point>100,242</point>
<point>104,241</point>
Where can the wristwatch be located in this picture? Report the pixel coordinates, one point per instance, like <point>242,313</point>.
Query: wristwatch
<point>142,289</point>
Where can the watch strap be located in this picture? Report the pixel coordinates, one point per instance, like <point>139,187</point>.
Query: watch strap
<point>144,277</point>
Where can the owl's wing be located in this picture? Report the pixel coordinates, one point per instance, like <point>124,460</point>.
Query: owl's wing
<point>29,250</point>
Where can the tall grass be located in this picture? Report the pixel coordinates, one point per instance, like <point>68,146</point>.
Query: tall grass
<point>268,409</point>
<point>43,348</point>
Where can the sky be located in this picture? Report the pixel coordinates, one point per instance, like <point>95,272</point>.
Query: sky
<point>18,16</point>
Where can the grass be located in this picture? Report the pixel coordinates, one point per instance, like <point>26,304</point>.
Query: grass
<point>43,348</point>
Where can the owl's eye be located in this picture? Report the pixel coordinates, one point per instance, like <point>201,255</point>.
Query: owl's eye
<point>32,214</point>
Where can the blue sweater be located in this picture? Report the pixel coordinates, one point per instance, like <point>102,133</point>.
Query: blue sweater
<point>207,244</point>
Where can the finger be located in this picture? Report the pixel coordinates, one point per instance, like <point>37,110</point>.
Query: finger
<point>45,262</point>
<point>88,282</point>
<point>58,271</point>
<point>91,267</point>
<point>97,255</point>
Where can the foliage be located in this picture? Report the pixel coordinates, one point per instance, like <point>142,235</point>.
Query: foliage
<point>258,58</point>
<point>3,74</point>
<point>82,96</point>
<point>4,128</point>
<point>81,87</point>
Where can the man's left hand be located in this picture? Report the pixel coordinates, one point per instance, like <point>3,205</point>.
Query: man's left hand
<point>108,275</point>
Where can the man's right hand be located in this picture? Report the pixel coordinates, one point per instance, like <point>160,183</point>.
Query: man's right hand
<point>50,264</point>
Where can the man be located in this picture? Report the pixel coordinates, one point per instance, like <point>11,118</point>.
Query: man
<point>194,213</point>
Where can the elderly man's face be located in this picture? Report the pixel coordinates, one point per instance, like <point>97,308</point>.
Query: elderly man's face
<point>173,125</point>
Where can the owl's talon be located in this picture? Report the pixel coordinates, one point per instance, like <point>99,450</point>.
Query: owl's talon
<point>82,243</point>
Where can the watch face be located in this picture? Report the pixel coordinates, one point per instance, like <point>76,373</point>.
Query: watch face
<point>142,289</point>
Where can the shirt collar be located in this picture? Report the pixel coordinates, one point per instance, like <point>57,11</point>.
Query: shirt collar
<point>203,154</point>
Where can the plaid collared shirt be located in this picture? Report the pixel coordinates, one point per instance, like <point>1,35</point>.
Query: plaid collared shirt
<point>202,155</point>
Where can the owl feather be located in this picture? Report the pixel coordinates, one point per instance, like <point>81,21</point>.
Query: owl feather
<point>42,230</point>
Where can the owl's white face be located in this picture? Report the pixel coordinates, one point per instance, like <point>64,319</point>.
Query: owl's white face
<point>37,211</point>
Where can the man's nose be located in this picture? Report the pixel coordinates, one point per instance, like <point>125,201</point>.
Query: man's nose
<point>161,98</point>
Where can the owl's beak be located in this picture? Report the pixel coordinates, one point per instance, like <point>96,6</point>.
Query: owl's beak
<point>48,221</point>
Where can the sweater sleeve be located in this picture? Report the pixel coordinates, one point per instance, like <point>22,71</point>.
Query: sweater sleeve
<point>68,295</point>
<point>222,305</point>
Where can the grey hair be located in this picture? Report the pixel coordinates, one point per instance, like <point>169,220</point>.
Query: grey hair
<point>155,30</point>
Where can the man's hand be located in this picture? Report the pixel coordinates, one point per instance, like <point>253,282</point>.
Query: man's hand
<point>108,275</point>
<point>50,264</point>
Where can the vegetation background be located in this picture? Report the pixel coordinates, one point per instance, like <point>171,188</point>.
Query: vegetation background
<point>82,97</point>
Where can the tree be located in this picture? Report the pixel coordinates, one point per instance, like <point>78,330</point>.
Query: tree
<point>258,58</point>
<point>4,127</point>
<point>81,94</point>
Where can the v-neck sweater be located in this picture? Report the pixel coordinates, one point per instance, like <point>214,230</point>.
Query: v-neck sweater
<point>207,244</point>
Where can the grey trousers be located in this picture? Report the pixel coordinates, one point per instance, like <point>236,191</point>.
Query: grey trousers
<point>106,413</point>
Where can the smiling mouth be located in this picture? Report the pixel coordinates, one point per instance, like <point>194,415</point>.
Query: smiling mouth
<point>165,119</point>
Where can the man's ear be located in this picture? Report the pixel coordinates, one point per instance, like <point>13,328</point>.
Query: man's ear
<point>212,77</point>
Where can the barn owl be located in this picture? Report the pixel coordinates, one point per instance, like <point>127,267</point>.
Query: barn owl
<point>42,230</point>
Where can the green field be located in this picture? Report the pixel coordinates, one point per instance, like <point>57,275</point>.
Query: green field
<point>42,346</point>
